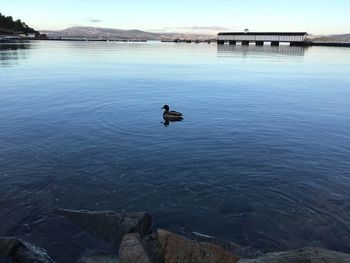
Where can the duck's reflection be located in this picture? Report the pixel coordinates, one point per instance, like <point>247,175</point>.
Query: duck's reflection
<point>166,121</point>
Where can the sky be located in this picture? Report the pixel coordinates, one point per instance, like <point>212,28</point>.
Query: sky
<point>188,16</point>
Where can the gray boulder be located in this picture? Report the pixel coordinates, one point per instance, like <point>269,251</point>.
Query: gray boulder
<point>154,248</point>
<point>233,248</point>
<point>108,225</point>
<point>131,250</point>
<point>179,249</point>
<point>22,252</point>
<point>304,255</point>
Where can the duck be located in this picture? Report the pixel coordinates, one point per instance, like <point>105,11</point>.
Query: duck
<point>171,115</point>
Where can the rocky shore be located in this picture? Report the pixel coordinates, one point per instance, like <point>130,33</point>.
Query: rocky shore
<point>134,241</point>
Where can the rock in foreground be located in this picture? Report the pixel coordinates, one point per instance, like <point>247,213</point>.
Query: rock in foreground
<point>233,248</point>
<point>179,249</point>
<point>22,252</point>
<point>131,250</point>
<point>138,245</point>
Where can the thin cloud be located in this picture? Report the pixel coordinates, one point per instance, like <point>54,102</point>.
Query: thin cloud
<point>213,28</point>
<point>94,20</point>
<point>193,29</point>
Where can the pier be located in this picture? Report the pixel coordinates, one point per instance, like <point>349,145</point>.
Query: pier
<point>260,38</point>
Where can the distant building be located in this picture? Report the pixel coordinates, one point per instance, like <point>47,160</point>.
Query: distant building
<point>294,38</point>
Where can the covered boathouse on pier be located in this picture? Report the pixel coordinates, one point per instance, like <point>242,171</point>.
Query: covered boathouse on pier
<point>259,38</point>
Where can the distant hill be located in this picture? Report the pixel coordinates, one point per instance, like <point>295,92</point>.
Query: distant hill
<point>10,27</point>
<point>345,37</point>
<point>110,33</point>
<point>331,38</point>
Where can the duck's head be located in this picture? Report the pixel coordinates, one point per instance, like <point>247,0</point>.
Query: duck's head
<point>165,107</point>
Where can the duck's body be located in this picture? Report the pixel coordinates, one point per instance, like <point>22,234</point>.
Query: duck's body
<point>171,115</point>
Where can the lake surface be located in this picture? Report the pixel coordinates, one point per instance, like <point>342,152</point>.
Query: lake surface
<point>262,157</point>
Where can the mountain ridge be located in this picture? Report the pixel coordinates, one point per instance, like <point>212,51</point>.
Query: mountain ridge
<point>115,33</point>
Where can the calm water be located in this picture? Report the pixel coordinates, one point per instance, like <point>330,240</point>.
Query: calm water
<point>262,157</point>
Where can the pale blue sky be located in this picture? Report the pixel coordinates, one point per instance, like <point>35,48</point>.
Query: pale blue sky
<point>201,16</point>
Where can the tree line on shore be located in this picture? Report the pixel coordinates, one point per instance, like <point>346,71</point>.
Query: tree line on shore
<point>9,26</point>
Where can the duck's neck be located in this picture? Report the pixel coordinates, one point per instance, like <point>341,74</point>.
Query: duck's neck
<point>165,111</point>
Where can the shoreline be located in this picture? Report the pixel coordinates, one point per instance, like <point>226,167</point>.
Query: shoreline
<point>331,44</point>
<point>189,41</point>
